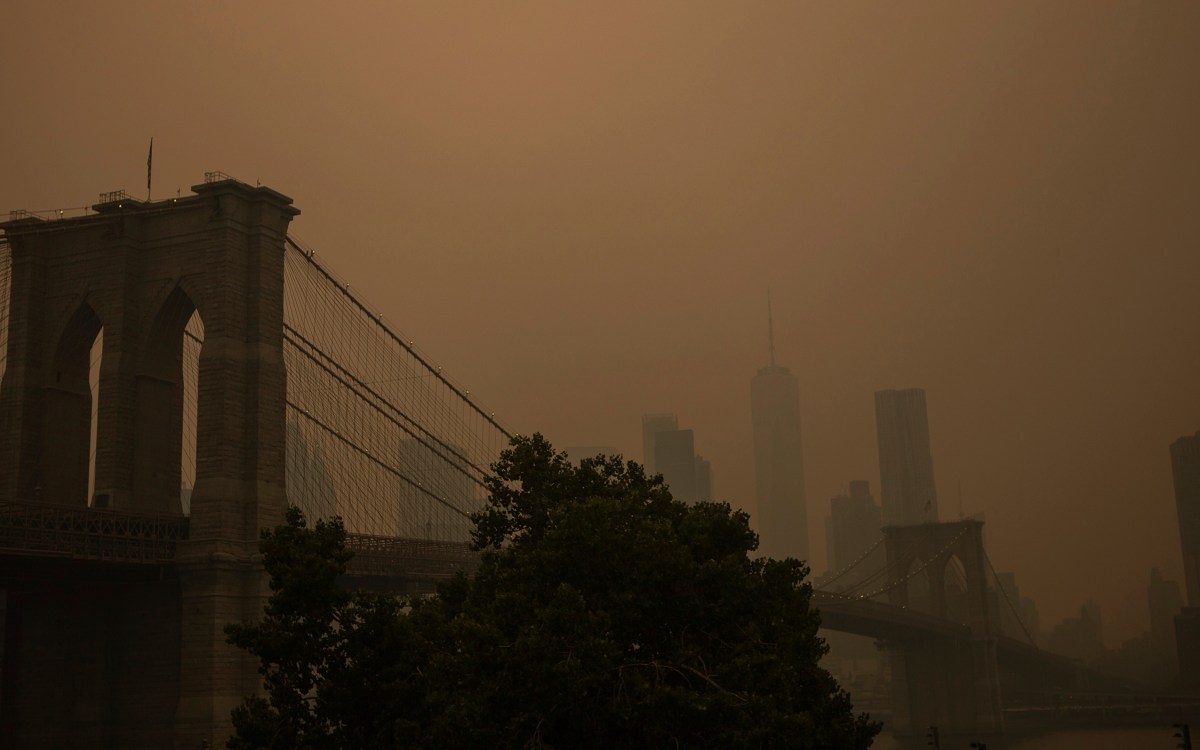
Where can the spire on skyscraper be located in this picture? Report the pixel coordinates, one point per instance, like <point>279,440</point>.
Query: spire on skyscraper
<point>770,329</point>
<point>782,518</point>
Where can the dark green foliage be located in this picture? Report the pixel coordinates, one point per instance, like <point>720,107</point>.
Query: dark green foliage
<point>604,614</point>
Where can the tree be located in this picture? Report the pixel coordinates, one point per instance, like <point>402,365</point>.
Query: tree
<point>603,614</point>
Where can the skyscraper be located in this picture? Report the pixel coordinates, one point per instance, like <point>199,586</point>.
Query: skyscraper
<point>652,424</point>
<point>778,458</point>
<point>853,525</point>
<point>675,456</point>
<point>437,470</point>
<point>704,483</point>
<point>1185,468</point>
<point>907,491</point>
<point>1165,603</point>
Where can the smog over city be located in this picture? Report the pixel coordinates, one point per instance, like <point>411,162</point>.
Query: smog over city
<point>934,262</point>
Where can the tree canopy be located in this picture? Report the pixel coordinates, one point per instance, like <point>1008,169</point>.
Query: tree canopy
<point>603,614</point>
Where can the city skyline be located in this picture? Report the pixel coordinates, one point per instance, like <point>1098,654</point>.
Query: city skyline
<point>577,211</point>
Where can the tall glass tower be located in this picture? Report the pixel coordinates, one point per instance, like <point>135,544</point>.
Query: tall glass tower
<point>778,458</point>
<point>907,489</point>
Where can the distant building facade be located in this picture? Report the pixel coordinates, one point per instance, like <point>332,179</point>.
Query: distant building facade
<point>778,459</point>
<point>1079,637</point>
<point>675,456</point>
<point>907,490</point>
<point>1185,470</point>
<point>310,485</point>
<point>1017,615</point>
<point>704,480</point>
<point>439,481</point>
<point>1166,603</point>
<point>653,424</point>
<point>854,523</point>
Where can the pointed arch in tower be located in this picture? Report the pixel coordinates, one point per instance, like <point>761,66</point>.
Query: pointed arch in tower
<point>159,414</point>
<point>66,414</point>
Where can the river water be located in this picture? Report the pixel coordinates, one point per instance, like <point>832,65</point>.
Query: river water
<point>1141,738</point>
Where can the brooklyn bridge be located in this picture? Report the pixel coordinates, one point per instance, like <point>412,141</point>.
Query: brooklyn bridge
<point>175,373</point>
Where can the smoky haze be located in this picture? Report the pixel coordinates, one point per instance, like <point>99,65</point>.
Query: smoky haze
<point>578,211</point>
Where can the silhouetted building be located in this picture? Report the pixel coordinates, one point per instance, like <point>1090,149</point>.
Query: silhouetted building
<point>651,425</point>
<point>854,522</point>
<point>675,456</point>
<point>1165,603</point>
<point>1187,641</point>
<point>1133,659</point>
<point>1018,615</point>
<point>1079,637</point>
<point>1185,468</point>
<point>310,484</point>
<point>1032,619</point>
<point>778,459</point>
<point>704,481</point>
<point>907,490</point>
<point>424,510</point>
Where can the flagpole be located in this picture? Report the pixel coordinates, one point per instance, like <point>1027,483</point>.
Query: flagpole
<point>149,166</point>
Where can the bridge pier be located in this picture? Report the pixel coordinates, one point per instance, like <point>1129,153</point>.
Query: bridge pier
<point>951,684</point>
<point>215,677</point>
<point>139,271</point>
<point>936,682</point>
<point>90,655</point>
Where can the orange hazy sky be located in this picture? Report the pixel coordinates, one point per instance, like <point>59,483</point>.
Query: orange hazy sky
<point>578,208</point>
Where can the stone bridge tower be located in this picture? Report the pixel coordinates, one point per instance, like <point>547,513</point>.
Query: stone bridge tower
<point>939,682</point>
<point>148,665</point>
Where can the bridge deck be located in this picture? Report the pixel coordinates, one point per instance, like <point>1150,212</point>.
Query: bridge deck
<point>29,529</point>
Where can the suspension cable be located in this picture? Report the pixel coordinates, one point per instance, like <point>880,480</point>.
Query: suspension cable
<point>1008,601</point>
<point>358,391</point>
<point>916,571</point>
<point>367,455</point>
<point>377,319</point>
<point>851,566</point>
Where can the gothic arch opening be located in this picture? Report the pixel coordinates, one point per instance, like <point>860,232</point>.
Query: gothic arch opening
<point>96,359</point>
<point>918,579</point>
<point>954,588</point>
<point>5,297</point>
<point>68,413</point>
<point>193,341</point>
<point>167,403</point>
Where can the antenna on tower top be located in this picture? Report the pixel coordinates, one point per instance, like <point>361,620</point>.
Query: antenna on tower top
<point>770,329</point>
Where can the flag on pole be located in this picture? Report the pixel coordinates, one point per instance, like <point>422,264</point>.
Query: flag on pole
<point>149,162</point>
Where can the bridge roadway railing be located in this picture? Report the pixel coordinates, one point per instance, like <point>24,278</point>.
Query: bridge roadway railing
<point>387,557</point>
<point>44,530</point>
<point>35,529</point>
<point>861,616</point>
